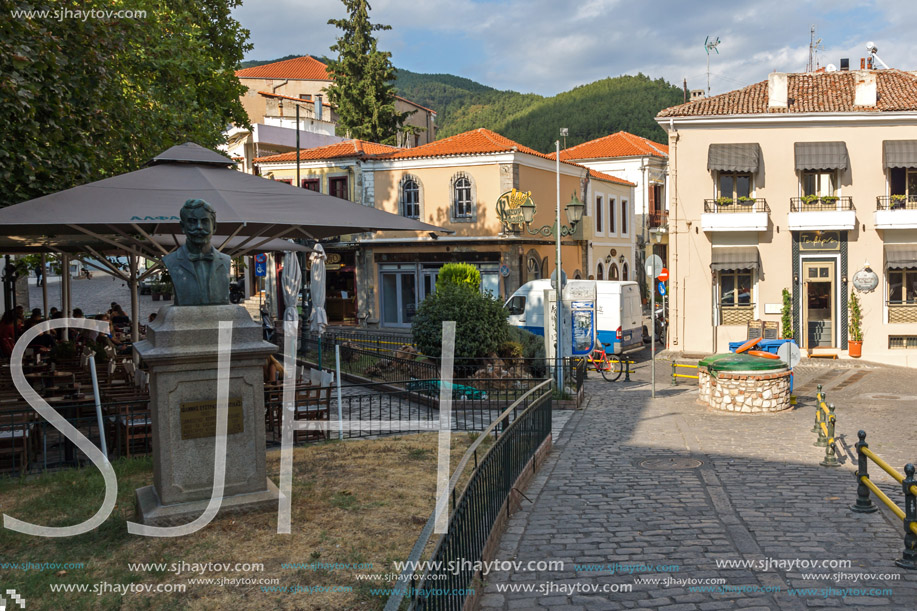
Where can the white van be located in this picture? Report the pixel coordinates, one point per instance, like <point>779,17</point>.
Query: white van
<point>618,316</point>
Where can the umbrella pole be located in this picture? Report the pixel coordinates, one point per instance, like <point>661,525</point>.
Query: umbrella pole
<point>135,299</point>
<point>44,284</point>
<point>65,294</point>
<point>319,351</point>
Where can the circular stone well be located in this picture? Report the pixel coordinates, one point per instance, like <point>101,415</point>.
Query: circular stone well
<point>744,383</point>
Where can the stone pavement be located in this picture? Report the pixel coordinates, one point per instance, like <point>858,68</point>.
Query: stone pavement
<point>757,497</point>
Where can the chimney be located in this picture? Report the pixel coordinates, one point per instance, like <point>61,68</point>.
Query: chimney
<point>845,63</point>
<point>697,94</point>
<point>776,90</point>
<point>865,88</point>
<point>862,63</point>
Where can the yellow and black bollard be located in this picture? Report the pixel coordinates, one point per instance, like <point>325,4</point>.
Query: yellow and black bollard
<point>863,503</point>
<point>830,448</point>
<point>819,397</point>
<point>909,557</point>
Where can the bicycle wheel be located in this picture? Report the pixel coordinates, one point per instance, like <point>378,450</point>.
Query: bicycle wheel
<point>612,367</point>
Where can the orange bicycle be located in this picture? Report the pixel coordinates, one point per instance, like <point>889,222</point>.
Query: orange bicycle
<point>609,365</point>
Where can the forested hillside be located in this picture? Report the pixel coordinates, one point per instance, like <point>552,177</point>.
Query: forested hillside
<point>590,111</point>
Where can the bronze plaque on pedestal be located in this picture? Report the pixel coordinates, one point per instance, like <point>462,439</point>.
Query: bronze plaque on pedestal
<point>199,418</point>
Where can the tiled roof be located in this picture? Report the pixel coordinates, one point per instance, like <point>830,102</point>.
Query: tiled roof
<point>609,178</point>
<point>809,92</point>
<point>347,148</point>
<point>305,68</point>
<point>620,144</point>
<point>476,142</point>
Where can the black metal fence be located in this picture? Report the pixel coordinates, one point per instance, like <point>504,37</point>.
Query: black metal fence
<point>814,203</point>
<point>519,432</point>
<point>741,204</point>
<point>896,202</point>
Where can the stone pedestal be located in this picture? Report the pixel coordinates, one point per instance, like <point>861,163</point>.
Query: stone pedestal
<point>181,350</point>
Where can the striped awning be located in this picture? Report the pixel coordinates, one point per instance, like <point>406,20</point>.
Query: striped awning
<point>901,256</point>
<point>734,158</point>
<point>821,156</point>
<point>734,258</point>
<point>899,154</point>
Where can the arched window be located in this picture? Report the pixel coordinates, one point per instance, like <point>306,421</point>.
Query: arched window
<point>410,198</point>
<point>577,275</point>
<point>463,205</point>
<point>624,271</point>
<point>532,268</point>
<point>613,272</point>
<point>600,273</point>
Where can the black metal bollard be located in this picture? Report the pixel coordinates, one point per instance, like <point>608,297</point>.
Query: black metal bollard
<point>818,399</point>
<point>830,449</point>
<point>864,504</point>
<point>626,369</point>
<point>909,557</point>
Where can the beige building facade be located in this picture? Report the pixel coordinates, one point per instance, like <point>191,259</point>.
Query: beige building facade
<point>799,183</point>
<point>455,183</point>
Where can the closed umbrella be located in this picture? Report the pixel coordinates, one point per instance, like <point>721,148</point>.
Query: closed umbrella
<point>319,318</point>
<point>292,283</point>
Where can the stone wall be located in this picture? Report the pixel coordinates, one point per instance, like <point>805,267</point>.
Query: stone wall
<point>744,392</point>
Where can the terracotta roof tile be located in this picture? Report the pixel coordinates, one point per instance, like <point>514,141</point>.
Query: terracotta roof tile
<point>807,93</point>
<point>340,150</point>
<point>304,68</point>
<point>620,144</point>
<point>609,178</point>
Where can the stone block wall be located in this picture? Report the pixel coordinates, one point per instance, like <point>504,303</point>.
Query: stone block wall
<point>744,392</point>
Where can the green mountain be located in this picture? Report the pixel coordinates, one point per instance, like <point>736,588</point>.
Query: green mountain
<point>591,111</point>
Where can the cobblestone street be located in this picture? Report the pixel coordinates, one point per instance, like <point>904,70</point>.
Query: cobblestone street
<point>758,495</point>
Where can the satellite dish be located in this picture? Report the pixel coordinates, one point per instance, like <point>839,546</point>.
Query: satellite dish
<point>871,47</point>
<point>830,68</point>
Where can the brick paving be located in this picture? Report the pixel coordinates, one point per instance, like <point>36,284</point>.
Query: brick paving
<point>759,495</point>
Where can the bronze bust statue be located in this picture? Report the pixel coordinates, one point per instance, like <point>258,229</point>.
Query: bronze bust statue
<point>199,272</point>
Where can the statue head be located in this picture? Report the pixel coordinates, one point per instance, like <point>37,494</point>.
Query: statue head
<point>198,222</point>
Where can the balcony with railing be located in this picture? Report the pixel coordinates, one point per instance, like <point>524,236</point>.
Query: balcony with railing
<point>739,214</point>
<point>657,219</point>
<point>813,213</point>
<point>896,212</point>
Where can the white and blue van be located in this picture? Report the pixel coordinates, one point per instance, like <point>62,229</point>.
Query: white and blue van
<point>618,316</point>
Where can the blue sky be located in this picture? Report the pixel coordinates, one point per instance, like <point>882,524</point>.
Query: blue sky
<point>548,46</point>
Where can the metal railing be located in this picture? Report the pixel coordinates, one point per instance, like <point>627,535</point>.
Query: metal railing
<point>826,203</point>
<point>474,513</point>
<point>721,205</point>
<point>371,362</point>
<point>658,219</point>
<point>908,483</point>
<point>896,202</point>
<point>676,375</point>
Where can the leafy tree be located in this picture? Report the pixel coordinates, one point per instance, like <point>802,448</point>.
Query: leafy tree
<point>462,274</point>
<point>480,322</point>
<point>83,99</point>
<point>363,90</point>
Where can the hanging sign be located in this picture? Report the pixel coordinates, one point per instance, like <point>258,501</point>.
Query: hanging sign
<point>865,280</point>
<point>509,206</point>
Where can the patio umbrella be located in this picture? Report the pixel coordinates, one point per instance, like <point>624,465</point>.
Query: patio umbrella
<point>319,318</point>
<point>125,211</point>
<point>291,279</point>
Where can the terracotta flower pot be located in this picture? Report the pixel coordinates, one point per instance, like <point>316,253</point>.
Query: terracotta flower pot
<point>855,349</point>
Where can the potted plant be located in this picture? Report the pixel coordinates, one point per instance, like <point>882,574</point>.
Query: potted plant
<point>786,315</point>
<point>855,327</point>
<point>898,201</point>
<point>746,201</point>
<point>809,199</point>
<point>830,199</point>
<point>724,201</point>
<point>156,290</point>
<point>165,282</point>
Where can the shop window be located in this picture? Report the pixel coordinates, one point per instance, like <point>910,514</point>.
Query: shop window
<point>462,203</point>
<point>613,272</point>
<point>902,296</point>
<point>337,187</point>
<point>600,272</point>
<point>410,198</point>
<point>735,302</point>
<point>598,214</point>
<point>313,184</point>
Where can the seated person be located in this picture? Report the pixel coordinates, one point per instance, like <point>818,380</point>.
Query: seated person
<point>7,333</point>
<point>34,319</point>
<point>119,318</point>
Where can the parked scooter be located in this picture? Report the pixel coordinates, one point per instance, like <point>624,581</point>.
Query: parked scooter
<point>237,291</point>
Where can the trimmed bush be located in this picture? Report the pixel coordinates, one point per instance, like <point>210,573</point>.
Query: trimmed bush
<point>461,274</point>
<point>480,322</point>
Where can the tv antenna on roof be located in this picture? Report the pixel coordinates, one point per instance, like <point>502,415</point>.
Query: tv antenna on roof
<point>710,44</point>
<point>871,49</point>
<point>814,46</point>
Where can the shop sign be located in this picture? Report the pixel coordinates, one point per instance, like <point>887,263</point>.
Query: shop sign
<point>865,280</point>
<point>819,240</point>
<point>509,206</point>
<point>334,257</point>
